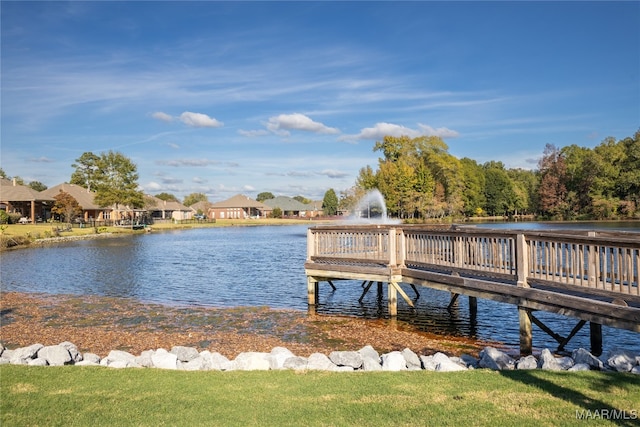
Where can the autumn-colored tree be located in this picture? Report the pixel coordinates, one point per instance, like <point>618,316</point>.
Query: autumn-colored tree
<point>553,175</point>
<point>66,206</point>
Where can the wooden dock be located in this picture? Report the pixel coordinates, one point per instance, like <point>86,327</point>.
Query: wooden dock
<point>591,276</point>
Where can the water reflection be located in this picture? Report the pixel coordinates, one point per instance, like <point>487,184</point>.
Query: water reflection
<point>253,266</point>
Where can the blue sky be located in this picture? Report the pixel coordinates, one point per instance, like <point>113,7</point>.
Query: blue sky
<point>290,97</point>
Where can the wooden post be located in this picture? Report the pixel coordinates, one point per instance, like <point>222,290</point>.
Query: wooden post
<point>526,341</point>
<point>402,241</point>
<point>393,262</point>
<point>312,291</point>
<point>310,244</point>
<point>473,306</point>
<point>522,260</point>
<point>392,300</point>
<point>596,338</point>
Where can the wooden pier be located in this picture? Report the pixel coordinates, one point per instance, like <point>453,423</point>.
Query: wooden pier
<point>591,276</point>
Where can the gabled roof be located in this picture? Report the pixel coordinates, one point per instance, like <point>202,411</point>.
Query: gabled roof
<point>168,205</point>
<point>84,197</point>
<point>11,192</point>
<point>240,201</point>
<point>201,205</point>
<point>287,204</point>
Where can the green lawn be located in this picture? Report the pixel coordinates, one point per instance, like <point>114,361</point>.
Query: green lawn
<point>101,396</point>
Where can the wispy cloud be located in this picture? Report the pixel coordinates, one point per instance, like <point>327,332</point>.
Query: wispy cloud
<point>199,120</point>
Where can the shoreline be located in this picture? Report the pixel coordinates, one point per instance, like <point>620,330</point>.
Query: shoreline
<point>101,324</point>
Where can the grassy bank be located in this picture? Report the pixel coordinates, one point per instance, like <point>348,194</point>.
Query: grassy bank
<point>102,396</point>
<point>19,235</point>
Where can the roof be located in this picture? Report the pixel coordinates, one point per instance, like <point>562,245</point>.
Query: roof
<point>202,205</point>
<point>12,192</point>
<point>84,197</point>
<point>286,204</point>
<point>240,201</point>
<point>168,205</point>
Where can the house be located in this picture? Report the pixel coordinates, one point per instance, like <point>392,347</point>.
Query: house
<point>85,198</point>
<point>23,200</point>
<point>167,209</point>
<point>238,207</point>
<point>201,208</point>
<point>289,206</point>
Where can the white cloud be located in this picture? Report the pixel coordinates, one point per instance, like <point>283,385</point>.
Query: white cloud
<point>199,120</point>
<point>332,173</point>
<point>382,129</point>
<point>159,115</point>
<point>248,188</point>
<point>282,124</point>
<point>188,162</point>
<point>253,133</point>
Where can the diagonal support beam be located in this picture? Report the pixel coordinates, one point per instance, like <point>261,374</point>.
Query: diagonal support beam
<point>562,341</point>
<point>402,293</point>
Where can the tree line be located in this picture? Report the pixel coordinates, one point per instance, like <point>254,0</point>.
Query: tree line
<point>421,180</point>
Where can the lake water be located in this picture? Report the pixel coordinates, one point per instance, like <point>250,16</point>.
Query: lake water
<point>256,266</point>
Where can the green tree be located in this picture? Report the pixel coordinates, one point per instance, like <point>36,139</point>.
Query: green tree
<point>194,198</point>
<point>261,197</point>
<point>302,200</point>
<point>3,174</point>
<point>167,197</point>
<point>116,181</point>
<point>66,206</point>
<point>499,192</point>
<point>330,202</point>
<point>276,213</point>
<point>86,171</point>
<point>37,185</point>
<point>473,196</point>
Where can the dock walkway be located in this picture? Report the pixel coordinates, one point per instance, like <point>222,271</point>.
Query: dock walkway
<point>591,276</point>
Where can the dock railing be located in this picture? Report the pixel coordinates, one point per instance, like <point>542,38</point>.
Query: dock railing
<point>599,263</point>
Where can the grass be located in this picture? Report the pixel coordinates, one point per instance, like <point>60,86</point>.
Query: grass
<point>101,396</point>
<point>22,235</point>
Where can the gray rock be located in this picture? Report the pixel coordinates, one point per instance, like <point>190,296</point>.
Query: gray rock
<point>470,361</point>
<point>76,356</point>
<point>2,349</point>
<point>252,361</point>
<point>7,355</point>
<point>565,362</point>
<point>37,362</point>
<point>369,351</point>
<point>90,357</point>
<point>636,370</point>
<point>583,356</point>
<point>22,355</point>
<point>621,360</point>
<point>412,359</point>
<point>320,362</point>
<point>296,363</point>
<point>184,354</point>
<point>119,357</point>
<point>162,359</point>
<point>4,361</point>
<point>55,355</point>
<point>528,362</point>
<point>580,367</point>
<point>216,361</point>
<point>371,364</point>
<point>393,361</point>
<point>428,363</point>
<point>197,364</point>
<point>495,359</point>
<point>278,356</point>
<point>445,364</point>
<point>144,360</point>
<point>352,359</point>
<point>548,361</point>
<point>120,364</point>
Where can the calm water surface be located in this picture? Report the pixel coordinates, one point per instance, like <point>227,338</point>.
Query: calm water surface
<point>255,266</point>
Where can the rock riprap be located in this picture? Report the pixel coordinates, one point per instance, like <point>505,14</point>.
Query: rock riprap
<point>365,359</point>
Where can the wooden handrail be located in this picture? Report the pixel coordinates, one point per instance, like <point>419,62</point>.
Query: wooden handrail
<point>607,262</point>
